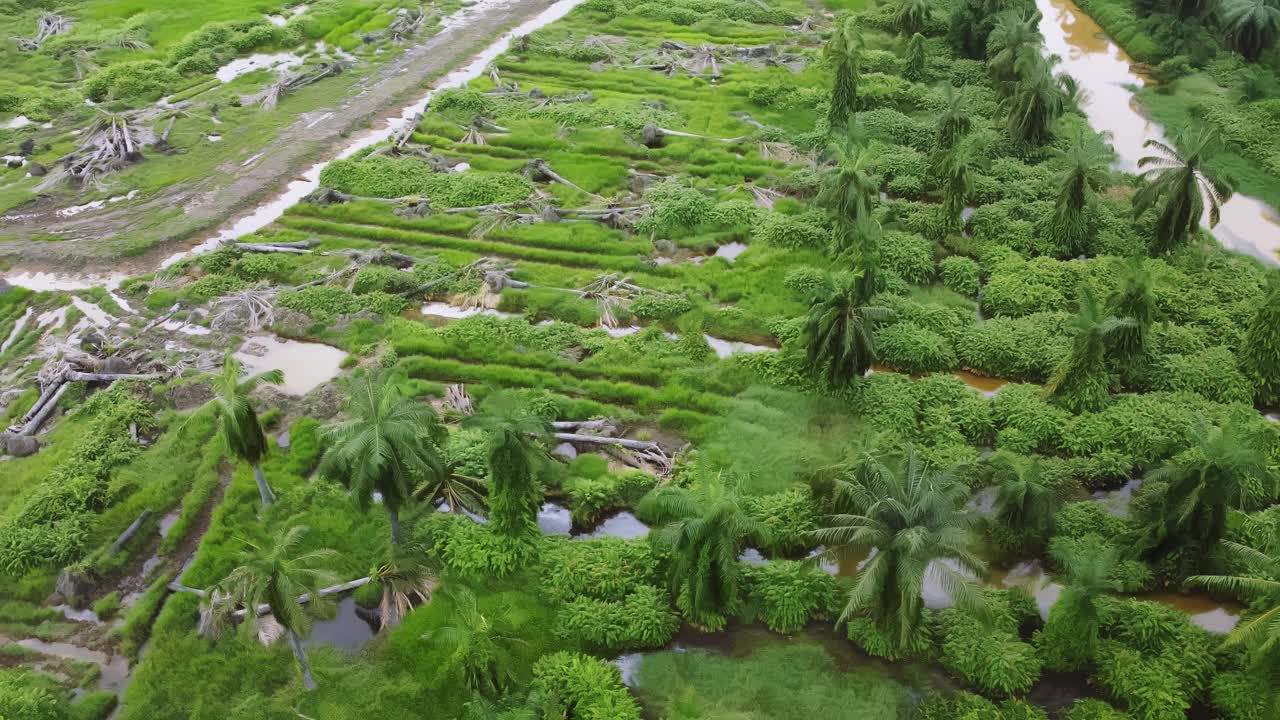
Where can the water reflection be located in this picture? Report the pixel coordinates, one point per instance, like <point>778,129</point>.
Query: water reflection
<point>620,525</point>
<point>347,629</point>
<point>1107,73</point>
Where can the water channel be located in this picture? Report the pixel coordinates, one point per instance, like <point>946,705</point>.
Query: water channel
<point>1108,74</point>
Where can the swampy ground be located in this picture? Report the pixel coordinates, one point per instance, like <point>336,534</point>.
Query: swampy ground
<point>645,376</point>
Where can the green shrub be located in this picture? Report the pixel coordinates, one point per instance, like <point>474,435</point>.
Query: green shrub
<point>603,569</point>
<point>475,551</point>
<point>912,349</point>
<point>910,256</point>
<point>1090,709</point>
<point>660,307</point>
<point>107,606</point>
<point>960,274</point>
<point>134,81</point>
<point>790,232</point>
<point>643,619</point>
<point>572,685</point>
<point>790,517</point>
<point>381,176</point>
<point>791,593</point>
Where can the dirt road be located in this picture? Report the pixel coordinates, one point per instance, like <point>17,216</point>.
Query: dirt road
<point>183,215</point>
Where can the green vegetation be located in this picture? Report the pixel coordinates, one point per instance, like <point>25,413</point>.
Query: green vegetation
<point>759,364</point>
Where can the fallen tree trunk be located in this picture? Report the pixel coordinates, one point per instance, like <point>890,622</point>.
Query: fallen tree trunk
<point>34,424</point>
<point>74,375</point>
<point>258,248</point>
<point>264,609</point>
<point>601,440</point>
<point>129,532</point>
<point>303,244</point>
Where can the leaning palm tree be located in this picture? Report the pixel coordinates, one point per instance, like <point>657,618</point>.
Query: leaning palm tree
<point>390,443</point>
<point>844,52</point>
<point>1252,26</point>
<point>916,67</point>
<point>914,520</point>
<point>1084,170</point>
<point>277,575</point>
<point>912,16</point>
<point>1134,299</point>
<point>1223,468</point>
<point>1036,101</point>
<point>406,579</point>
<point>956,170</point>
<point>848,188</point>
<point>1070,634</point>
<point>1013,40</point>
<point>838,330</point>
<point>1024,498</point>
<point>482,645</point>
<point>1081,380</point>
<point>238,420</point>
<point>1260,633</point>
<point>955,119</point>
<point>705,532</point>
<point>515,454</point>
<point>1180,184</point>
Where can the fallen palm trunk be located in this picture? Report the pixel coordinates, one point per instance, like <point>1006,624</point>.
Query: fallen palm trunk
<point>603,440</point>
<point>264,609</point>
<point>302,244</point>
<point>538,169</point>
<point>652,136</point>
<point>129,532</point>
<point>261,248</point>
<point>52,391</point>
<point>47,26</point>
<point>297,81</point>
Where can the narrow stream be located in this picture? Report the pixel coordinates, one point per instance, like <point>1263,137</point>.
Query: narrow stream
<point>1106,72</point>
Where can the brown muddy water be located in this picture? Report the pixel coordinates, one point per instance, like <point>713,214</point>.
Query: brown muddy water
<point>1108,75</point>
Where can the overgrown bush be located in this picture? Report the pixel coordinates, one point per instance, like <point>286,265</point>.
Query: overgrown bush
<point>572,685</point>
<point>791,593</point>
<point>134,81</point>
<point>643,619</point>
<point>960,274</point>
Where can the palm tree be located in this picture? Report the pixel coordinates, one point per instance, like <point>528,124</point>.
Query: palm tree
<point>1259,634</point>
<point>514,456</point>
<point>1024,498</point>
<point>859,244</point>
<point>240,427</point>
<point>705,532</point>
<point>1070,634</point>
<point>1223,468</point>
<point>406,579</point>
<point>1014,40</point>
<point>1085,170</point>
<point>844,52</point>
<point>461,493</point>
<point>276,575</point>
<point>1251,25</point>
<point>956,170</point>
<point>915,521</point>
<point>838,330</point>
<point>955,119</point>
<point>912,16</point>
<point>481,645</point>
<point>1081,380</point>
<point>1262,344</point>
<point>848,188</point>
<point>1179,183</point>
<point>390,443</point>
<point>1134,299</point>
<point>971,24</point>
<point>917,65</point>
<point>1036,101</point>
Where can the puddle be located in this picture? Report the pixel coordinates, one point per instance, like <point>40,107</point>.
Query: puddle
<point>1216,617</point>
<point>622,331</point>
<point>257,61</point>
<point>20,121</point>
<point>629,667</point>
<point>725,348</point>
<point>77,209</point>
<point>17,329</point>
<point>124,305</point>
<point>554,519</point>
<point>96,315</point>
<point>53,319</point>
<point>86,615</point>
<point>168,521</point>
<point>305,365</point>
<point>115,668</point>
<point>345,630</point>
<point>731,251</point>
<point>620,525</point>
<point>267,213</point>
<point>460,167</point>
<point>1106,72</point>
<point>443,507</point>
<point>752,556</point>
<point>45,281</point>
<point>185,328</point>
<point>983,501</point>
<point>1117,501</point>
<point>214,138</point>
<point>988,386</point>
<point>453,312</point>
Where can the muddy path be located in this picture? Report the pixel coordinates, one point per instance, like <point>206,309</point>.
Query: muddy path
<point>217,202</point>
